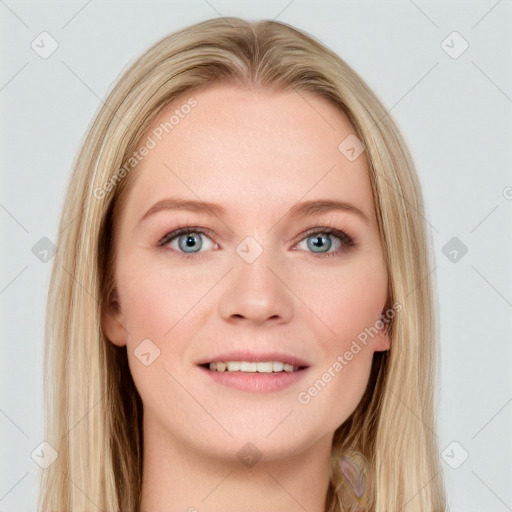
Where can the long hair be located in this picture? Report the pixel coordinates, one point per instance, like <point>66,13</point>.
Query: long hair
<point>93,412</point>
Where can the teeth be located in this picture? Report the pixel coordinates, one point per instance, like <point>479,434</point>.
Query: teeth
<point>248,367</point>
<point>277,366</point>
<point>251,367</point>
<point>234,366</point>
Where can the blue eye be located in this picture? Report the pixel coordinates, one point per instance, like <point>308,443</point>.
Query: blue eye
<point>189,240</point>
<point>318,241</point>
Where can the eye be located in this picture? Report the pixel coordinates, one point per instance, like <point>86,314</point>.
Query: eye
<point>319,241</point>
<point>187,240</point>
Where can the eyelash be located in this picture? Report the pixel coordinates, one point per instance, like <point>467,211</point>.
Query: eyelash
<point>346,241</point>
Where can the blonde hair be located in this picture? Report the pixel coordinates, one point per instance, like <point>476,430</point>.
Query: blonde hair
<point>93,413</point>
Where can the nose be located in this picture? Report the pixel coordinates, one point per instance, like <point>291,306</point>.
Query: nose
<point>257,292</point>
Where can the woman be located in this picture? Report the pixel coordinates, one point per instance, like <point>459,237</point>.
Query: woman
<point>238,316</point>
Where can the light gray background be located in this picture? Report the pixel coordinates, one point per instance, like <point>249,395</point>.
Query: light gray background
<point>455,114</point>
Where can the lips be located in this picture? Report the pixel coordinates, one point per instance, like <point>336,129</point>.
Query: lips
<point>246,371</point>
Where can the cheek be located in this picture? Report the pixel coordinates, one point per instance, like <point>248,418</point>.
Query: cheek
<point>155,298</point>
<point>160,304</point>
<point>346,302</point>
<point>347,307</point>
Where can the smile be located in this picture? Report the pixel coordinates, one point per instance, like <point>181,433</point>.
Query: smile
<point>253,377</point>
<point>251,367</point>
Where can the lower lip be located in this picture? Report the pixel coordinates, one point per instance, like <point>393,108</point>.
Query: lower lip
<point>256,382</point>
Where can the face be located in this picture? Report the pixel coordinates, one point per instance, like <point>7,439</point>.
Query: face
<point>259,276</point>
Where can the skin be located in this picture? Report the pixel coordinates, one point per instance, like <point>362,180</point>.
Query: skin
<point>256,153</point>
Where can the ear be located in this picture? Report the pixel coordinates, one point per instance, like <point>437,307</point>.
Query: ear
<point>112,321</point>
<point>381,341</point>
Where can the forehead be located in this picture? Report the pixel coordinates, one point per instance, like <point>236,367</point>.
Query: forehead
<point>255,151</point>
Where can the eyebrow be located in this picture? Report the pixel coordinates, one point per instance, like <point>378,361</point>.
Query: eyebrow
<point>303,209</point>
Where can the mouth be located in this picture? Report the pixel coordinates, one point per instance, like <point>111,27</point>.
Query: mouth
<point>252,366</point>
<point>254,373</point>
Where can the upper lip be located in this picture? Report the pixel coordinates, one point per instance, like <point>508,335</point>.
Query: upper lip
<point>254,357</point>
